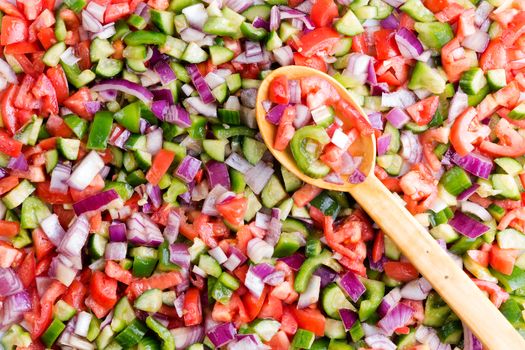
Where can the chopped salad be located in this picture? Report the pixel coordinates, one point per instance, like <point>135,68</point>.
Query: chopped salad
<point>140,208</point>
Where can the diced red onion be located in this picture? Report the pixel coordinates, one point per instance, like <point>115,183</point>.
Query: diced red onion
<point>213,80</point>
<point>207,109</point>
<point>389,301</point>
<point>482,12</point>
<point>171,231</point>
<point>376,120</point>
<point>186,336</point>
<point>470,342</point>
<point>383,142</point>
<point>235,259</point>
<point>378,89</point>
<point>238,163</point>
<point>260,58</point>
<point>142,230</point>
<point>117,232</point>
<point>218,254</point>
<point>188,168</point>
<point>68,57</point>
<point>217,174</point>
<point>96,10</point>
<point>358,67</point>
<point>391,22</point>
<point>412,150</point>
<point>357,177</point>
<point>18,163</point>
<point>379,341</point>
<point>463,196</point>
<point>348,317</point>
<point>116,251</point>
<point>196,15</point>
<point>95,202</point>
<point>397,117</point>
<point>222,334</point>
<point>408,43</point>
<point>179,255</point>
<point>257,176</point>
<point>75,237</point>
<point>477,41</point>
<point>467,226</point>
<point>9,282</point>
<point>275,278</point>
<point>259,22</point>
<point>397,317</point>
<point>82,325</point>
<point>417,289</point>
<point>200,84</point>
<point>283,55</point>
<point>274,115</point>
<point>126,87</point>
<point>59,178</point>
<point>474,163</point>
<point>458,104</point>
<point>253,282</point>
<point>166,74</point>
<point>294,261</point>
<point>53,230</point>
<point>401,98</point>
<point>275,18</point>
<point>352,286</point>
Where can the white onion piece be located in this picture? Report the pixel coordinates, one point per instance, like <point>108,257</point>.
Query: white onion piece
<point>196,15</point>
<point>82,325</point>
<point>477,41</point>
<point>311,294</point>
<point>476,209</point>
<point>218,254</point>
<point>7,72</point>
<point>86,171</point>
<point>68,57</point>
<point>258,250</point>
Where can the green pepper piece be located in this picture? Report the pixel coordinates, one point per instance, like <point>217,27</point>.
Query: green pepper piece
<point>308,162</point>
<point>77,77</point>
<point>375,291</point>
<point>326,204</point>
<point>252,33</point>
<point>53,332</point>
<point>197,130</point>
<point>164,258</point>
<point>100,131</point>
<point>436,311</point>
<point>78,125</point>
<point>307,270</point>
<point>129,117</point>
<point>221,293</point>
<point>168,342</point>
<point>144,37</point>
<point>512,282</point>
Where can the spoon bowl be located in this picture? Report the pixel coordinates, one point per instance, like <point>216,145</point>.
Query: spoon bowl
<point>389,212</point>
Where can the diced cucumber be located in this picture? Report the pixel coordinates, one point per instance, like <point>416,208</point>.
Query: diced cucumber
<point>261,11</point>
<point>334,329</point>
<point>164,20</point>
<point>392,163</point>
<point>149,301</point>
<point>507,185</point>
<point>496,78</point>
<point>273,192</point>
<point>518,113</point>
<point>509,165</point>
<point>333,299</point>
<point>418,11</point>
<point>123,314</point>
<point>426,77</point>
<point>266,329</point>
<point>52,56</point>
<point>472,81</point>
<point>63,311</point>
<point>68,148</point>
<point>434,34</point>
<point>18,195</point>
<point>349,24</point>
<point>253,150</point>
<point>215,148</point>
<point>220,54</point>
<point>210,265</point>
<point>109,67</point>
<point>510,239</point>
<point>99,49</point>
<point>194,54</point>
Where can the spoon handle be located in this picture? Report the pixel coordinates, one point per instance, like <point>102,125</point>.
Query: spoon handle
<point>456,288</point>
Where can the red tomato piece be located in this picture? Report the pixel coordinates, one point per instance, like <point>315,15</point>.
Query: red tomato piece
<point>14,30</point>
<point>323,12</point>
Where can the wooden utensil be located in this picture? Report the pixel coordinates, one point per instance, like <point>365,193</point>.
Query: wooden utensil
<point>414,241</point>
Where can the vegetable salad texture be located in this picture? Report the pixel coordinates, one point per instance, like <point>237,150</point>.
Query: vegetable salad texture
<point>140,208</point>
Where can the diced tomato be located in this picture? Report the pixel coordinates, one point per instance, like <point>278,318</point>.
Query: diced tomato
<point>14,30</point>
<point>44,193</point>
<point>359,43</point>
<point>314,62</point>
<point>378,248</point>
<point>43,89</point>
<point>323,12</point>
<point>43,245</point>
<point>455,61</point>
<point>253,304</point>
<point>466,131</point>
<point>479,256</point>
<point>318,41</point>
<point>310,319</point>
<point>279,341</point>
<point>450,13</point>
<point>385,43</point>
<point>161,281</point>
<point>21,48</point>
<point>497,295</point>
<point>272,308</point>
<point>47,38</point>
<point>7,110</point>
<point>159,4</point>
<point>285,129</point>
<point>57,127</point>
<point>117,272</point>
<point>355,118</point>
<point>278,91</point>
<point>103,289</point>
<point>192,308</point>
<point>161,163</point>
<point>511,143</point>
<point>8,255</point>
<point>76,102</point>
<point>503,260</point>
<point>233,210</point>
<point>75,295</point>
<point>400,271</point>
<point>10,9</point>
<point>99,310</point>
<point>305,194</point>
<point>436,5</point>
<point>423,111</point>
<point>41,321</point>
<point>26,270</point>
<point>494,56</point>
<point>58,79</point>
<point>116,11</point>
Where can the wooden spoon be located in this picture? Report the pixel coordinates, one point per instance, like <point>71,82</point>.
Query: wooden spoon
<point>414,241</point>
